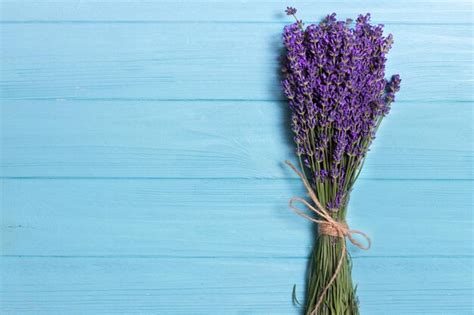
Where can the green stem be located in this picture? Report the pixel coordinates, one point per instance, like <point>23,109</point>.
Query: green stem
<point>340,299</point>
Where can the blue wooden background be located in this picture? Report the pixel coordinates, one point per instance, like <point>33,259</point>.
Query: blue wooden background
<point>142,147</point>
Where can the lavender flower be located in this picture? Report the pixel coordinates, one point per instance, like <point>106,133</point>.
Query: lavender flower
<point>290,11</point>
<point>334,80</point>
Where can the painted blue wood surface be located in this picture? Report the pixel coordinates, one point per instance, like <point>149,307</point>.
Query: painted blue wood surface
<point>141,160</point>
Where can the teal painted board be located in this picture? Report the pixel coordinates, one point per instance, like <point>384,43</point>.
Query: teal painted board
<point>215,139</point>
<point>225,218</point>
<point>224,11</point>
<point>141,160</point>
<point>231,61</point>
<point>134,285</point>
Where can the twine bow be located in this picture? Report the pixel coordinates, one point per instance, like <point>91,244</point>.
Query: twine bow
<point>327,226</point>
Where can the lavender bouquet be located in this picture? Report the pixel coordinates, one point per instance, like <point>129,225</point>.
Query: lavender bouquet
<point>334,79</point>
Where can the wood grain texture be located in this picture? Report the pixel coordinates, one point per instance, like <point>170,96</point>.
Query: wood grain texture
<point>225,218</point>
<point>72,285</point>
<point>141,149</point>
<point>205,61</point>
<point>224,11</point>
<point>204,139</point>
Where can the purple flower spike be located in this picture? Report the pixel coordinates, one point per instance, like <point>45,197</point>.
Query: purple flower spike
<point>334,80</point>
<point>290,11</point>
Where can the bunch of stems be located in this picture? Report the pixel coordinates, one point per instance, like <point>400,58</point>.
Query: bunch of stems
<point>340,298</point>
<point>334,80</point>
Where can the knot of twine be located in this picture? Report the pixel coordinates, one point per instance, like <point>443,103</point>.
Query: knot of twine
<point>327,225</point>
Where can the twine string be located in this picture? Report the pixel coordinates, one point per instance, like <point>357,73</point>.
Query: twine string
<point>327,226</point>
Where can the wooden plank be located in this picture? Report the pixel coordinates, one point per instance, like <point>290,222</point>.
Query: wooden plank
<point>224,218</point>
<point>205,61</point>
<point>215,140</point>
<point>402,11</point>
<point>223,286</point>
